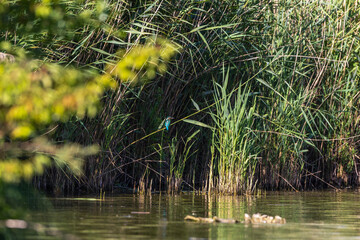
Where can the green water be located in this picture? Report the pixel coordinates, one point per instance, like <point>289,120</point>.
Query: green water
<point>309,215</point>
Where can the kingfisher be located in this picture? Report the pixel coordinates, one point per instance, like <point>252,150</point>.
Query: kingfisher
<point>167,122</point>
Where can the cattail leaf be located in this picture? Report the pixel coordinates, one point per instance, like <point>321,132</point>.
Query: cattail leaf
<point>195,104</point>
<point>200,124</point>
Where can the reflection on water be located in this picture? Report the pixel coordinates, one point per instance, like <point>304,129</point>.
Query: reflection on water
<point>311,215</point>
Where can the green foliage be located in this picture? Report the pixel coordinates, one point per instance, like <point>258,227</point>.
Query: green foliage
<point>35,22</point>
<point>34,96</point>
<point>143,61</point>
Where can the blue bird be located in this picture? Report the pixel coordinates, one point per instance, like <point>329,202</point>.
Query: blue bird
<point>167,122</point>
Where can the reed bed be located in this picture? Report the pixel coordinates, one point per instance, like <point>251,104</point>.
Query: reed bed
<point>268,91</point>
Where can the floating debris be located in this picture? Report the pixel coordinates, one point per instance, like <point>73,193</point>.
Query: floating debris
<point>199,219</point>
<point>258,218</point>
<point>254,219</point>
<point>210,220</point>
<point>140,212</point>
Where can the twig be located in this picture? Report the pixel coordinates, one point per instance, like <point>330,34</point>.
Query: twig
<point>337,189</point>
<point>287,182</point>
<point>283,178</point>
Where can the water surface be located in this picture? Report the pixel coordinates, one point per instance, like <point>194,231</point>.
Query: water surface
<point>309,215</point>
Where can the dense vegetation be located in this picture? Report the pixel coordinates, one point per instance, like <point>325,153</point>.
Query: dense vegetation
<point>264,94</point>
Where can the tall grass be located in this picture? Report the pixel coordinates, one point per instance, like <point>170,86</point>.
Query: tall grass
<point>232,136</point>
<point>285,114</point>
<point>177,161</point>
<point>304,89</point>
